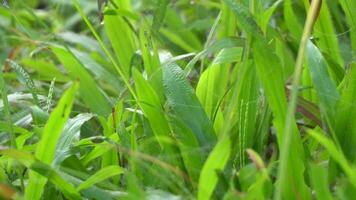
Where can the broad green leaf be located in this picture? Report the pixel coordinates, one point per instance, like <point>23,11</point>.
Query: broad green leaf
<point>186,106</point>
<point>325,88</point>
<point>211,88</point>
<point>46,147</point>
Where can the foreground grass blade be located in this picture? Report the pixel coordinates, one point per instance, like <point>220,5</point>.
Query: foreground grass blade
<point>46,147</point>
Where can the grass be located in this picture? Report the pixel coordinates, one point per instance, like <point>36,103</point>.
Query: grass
<point>159,99</point>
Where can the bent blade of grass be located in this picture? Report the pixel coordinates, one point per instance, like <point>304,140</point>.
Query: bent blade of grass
<point>46,147</point>
<point>101,175</point>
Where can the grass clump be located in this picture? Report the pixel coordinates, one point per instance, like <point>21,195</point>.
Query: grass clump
<point>159,99</point>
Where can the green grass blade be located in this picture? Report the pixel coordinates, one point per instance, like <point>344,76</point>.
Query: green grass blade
<point>46,147</point>
<point>88,87</point>
<point>101,175</point>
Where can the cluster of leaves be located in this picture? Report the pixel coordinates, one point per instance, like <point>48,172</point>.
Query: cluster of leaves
<point>184,99</point>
